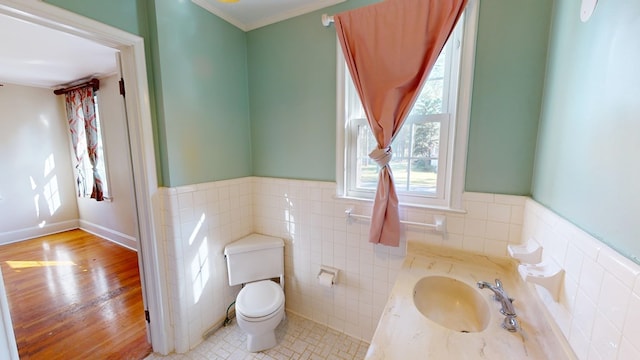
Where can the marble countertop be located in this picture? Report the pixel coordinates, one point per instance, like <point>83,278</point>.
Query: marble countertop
<point>404,333</point>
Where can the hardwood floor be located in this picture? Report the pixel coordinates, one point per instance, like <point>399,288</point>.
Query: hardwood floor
<point>74,295</point>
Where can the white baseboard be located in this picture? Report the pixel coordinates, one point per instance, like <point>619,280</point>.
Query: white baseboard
<point>36,231</point>
<point>111,235</point>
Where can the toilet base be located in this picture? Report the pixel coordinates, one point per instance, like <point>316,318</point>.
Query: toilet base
<point>261,335</point>
<point>256,343</point>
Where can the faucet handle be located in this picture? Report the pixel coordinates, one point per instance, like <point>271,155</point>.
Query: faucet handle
<point>499,284</point>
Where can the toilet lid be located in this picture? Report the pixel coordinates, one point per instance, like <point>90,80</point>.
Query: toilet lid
<point>259,299</point>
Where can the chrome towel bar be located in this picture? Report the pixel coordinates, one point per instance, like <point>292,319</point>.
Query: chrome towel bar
<point>439,225</point>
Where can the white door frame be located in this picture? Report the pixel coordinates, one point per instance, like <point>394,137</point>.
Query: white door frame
<point>139,125</point>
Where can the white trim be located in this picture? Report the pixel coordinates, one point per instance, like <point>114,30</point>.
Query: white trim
<point>317,5</point>
<point>465,89</point>
<point>222,15</point>
<point>108,234</point>
<point>8,347</point>
<point>341,190</point>
<point>37,231</point>
<point>153,275</point>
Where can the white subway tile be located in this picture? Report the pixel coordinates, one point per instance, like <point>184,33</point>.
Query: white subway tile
<point>474,196</point>
<point>605,337</point>
<point>455,224</point>
<point>515,234</point>
<point>591,278</point>
<point>473,244</point>
<point>631,329</point>
<point>628,349</point>
<point>477,210</point>
<point>517,214</point>
<point>584,314</point>
<point>613,301</point>
<point>495,248</point>
<point>473,227</point>
<point>573,262</point>
<point>622,268</point>
<point>497,231</point>
<point>579,342</point>
<point>510,199</point>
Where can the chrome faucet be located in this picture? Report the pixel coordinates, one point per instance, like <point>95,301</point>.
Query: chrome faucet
<point>510,323</point>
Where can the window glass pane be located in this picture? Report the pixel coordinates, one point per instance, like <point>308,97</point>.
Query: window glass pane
<point>430,99</point>
<point>424,161</point>
<point>85,168</point>
<point>367,169</point>
<point>101,166</point>
<point>415,158</point>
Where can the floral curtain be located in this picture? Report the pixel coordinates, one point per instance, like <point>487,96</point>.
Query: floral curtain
<point>81,116</point>
<point>390,48</point>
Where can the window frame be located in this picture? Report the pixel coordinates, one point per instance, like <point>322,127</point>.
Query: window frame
<point>449,196</point>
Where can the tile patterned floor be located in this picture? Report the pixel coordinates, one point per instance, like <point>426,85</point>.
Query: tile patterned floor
<point>298,338</point>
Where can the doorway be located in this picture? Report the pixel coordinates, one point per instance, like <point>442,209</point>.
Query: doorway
<point>140,139</point>
<point>74,295</point>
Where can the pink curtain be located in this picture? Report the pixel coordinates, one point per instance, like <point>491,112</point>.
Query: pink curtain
<point>390,48</point>
<point>81,116</point>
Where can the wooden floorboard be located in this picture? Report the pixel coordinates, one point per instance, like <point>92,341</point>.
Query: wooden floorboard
<point>74,295</point>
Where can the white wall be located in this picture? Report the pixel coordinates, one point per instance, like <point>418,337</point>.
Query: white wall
<point>113,219</point>
<point>199,220</point>
<point>33,133</point>
<point>33,130</point>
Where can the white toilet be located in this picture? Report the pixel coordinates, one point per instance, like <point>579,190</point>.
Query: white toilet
<point>253,261</point>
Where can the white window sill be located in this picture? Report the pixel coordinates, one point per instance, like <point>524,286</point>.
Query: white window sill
<point>408,205</point>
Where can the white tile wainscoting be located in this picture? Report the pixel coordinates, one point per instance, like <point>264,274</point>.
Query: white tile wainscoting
<point>599,306</point>
<point>199,220</point>
<point>598,311</point>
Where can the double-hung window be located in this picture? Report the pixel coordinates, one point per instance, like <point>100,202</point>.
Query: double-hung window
<point>87,169</point>
<point>429,152</point>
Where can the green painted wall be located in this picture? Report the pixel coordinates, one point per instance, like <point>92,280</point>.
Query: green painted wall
<point>292,86</point>
<point>585,167</point>
<point>128,15</point>
<point>201,76</point>
<point>197,69</point>
<point>233,104</point>
<point>507,92</point>
<point>293,97</point>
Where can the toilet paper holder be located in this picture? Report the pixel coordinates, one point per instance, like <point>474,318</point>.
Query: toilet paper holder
<point>327,270</point>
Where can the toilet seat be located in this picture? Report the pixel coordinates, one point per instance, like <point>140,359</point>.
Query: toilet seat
<point>260,299</point>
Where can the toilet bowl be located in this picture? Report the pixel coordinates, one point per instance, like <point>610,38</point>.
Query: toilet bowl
<point>259,310</point>
<point>251,262</point>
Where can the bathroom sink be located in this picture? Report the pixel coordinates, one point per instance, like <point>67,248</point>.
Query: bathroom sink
<point>451,303</point>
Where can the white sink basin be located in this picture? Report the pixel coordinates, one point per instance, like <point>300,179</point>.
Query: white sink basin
<point>451,303</point>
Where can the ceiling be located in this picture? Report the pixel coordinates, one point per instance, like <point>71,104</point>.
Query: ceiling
<point>42,57</point>
<point>252,14</point>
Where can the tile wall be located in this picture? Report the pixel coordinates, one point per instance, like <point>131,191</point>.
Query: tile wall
<point>599,306</point>
<point>199,220</point>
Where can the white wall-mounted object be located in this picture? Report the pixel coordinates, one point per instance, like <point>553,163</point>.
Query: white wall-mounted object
<point>328,276</point>
<point>586,9</point>
<point>547,275</point>
<point>327,20</point>
<point>530,253</point>
<point>439,221</point>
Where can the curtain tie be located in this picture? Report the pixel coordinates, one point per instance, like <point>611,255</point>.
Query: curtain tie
<point>382,157</point>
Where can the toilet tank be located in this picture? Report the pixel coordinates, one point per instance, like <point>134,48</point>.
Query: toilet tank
<point>254,257</point>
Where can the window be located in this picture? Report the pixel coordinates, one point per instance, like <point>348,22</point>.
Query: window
<point>100,166</point>
<point>429,152</point>
<point>85,169</point>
